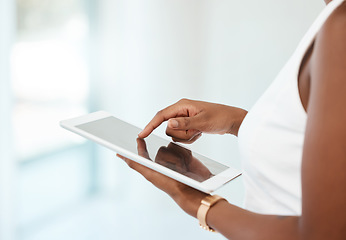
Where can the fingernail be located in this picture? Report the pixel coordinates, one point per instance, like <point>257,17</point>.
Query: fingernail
<point>173,123</point>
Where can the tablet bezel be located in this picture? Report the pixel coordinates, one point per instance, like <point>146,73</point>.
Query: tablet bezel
<point>206,186</point>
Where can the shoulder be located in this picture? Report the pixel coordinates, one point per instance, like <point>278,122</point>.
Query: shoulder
<point>329,54</point>
<point>339,14</point>
<point>337,19</point>
<point>328,63</point>
<point>333,30</point>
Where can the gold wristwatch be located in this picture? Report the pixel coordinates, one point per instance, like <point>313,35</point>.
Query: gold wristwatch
<point>206,204</point>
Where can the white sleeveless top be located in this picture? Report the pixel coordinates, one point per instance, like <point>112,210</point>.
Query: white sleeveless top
<point>272,134</point>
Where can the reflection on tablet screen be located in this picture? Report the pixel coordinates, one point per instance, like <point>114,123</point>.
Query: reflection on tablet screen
<point>165,153</point>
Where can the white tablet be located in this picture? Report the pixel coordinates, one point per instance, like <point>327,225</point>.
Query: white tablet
<point>166,157</point>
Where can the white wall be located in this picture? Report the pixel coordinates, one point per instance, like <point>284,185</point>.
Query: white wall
<point>150,55</point>
<point>6,161</point>
<point>248,42</point>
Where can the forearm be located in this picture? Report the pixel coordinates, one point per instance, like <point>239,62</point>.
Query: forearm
<point>236,223</point>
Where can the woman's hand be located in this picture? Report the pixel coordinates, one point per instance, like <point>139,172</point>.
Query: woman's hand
<point>188,119</point>
<point>186,197</point>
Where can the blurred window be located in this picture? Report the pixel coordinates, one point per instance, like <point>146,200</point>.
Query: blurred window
<point>50,82</point>
<point>49,73</point>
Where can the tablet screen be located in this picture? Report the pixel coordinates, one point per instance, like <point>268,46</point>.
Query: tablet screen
<point>154,148</point>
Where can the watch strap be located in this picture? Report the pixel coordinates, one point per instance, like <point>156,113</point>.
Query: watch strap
<point>203,209</point>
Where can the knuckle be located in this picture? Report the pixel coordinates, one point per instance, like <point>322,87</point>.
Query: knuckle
<point>186,121</point>
<point>159,113</point>
<point>183,100</point>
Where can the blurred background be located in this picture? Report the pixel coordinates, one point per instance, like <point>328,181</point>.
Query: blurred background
<point>64,58</point>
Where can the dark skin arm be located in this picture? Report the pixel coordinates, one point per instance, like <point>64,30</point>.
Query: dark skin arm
<point>323,164</point>
<point>324,156</point>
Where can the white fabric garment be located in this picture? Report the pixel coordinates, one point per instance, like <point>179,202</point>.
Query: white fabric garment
<point>272,134</point>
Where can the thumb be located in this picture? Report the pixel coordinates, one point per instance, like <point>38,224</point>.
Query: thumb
<point>185,123</point>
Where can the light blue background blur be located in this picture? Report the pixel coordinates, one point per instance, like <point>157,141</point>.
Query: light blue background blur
<point>131,58</point>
